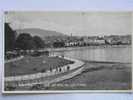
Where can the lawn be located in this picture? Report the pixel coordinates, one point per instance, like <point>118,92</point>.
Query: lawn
<point>31,65</point>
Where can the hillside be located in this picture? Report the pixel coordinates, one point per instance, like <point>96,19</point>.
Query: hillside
<point>40,32</point>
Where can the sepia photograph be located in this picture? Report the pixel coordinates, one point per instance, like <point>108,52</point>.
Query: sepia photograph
<point>67,51</point>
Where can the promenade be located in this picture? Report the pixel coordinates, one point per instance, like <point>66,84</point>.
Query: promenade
<point>14,59</point>
<point>48,77</point>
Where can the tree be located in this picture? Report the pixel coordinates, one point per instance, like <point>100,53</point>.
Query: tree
<point>10,37</point>
<point>25,42</point>
<point>39,43</point>
<point>58,44</point>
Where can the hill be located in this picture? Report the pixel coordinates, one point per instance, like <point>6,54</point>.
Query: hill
<point>40,32</point>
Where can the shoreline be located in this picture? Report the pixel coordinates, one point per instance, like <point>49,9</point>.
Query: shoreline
<point>100,76</point>
<point>87,47</point>
<point>91,67</point>
<point>107,62</point>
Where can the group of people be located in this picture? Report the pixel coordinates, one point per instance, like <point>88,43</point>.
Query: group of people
<point>59,69</point>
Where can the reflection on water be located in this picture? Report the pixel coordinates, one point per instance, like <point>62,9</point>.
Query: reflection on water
<point>113,54</point>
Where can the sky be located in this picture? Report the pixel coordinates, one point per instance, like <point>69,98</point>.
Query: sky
<point>77,23</point>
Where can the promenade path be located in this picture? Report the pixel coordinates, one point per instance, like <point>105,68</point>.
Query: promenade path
<point>48,77</point>
<point>15,59</point>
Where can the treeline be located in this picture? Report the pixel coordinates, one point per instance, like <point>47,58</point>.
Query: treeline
<point>23,41</point>
<point>58,44</point>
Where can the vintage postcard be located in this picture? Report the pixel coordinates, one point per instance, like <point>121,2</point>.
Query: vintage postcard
<point>52,52</point>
